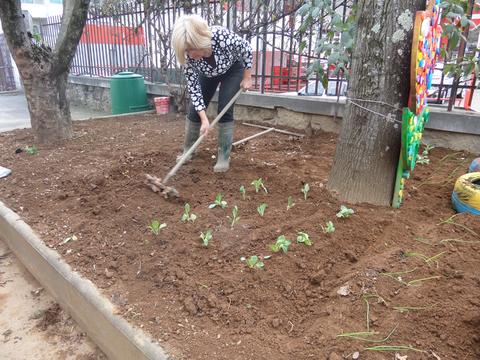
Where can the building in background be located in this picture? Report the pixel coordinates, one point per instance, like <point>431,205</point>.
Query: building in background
<point>35,11</point>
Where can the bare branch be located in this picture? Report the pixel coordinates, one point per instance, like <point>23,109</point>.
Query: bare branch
<point>15,29</point>
<point>71,29</point>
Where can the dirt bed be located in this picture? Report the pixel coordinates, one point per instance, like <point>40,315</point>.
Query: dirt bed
<point>414,279</point>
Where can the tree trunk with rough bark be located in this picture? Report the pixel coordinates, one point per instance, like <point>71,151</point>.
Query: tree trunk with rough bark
<point>43,70</point>
<point>368,148</point>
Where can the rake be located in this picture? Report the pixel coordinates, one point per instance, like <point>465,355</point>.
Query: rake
<point>160,185</point>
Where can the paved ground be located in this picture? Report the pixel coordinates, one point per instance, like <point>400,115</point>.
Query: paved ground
<point>25,312</point>
<point>14,112</point>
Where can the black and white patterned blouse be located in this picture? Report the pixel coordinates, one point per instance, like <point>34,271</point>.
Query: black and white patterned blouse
<point>227,49</point>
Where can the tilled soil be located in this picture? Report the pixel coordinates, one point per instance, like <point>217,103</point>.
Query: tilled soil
<point>400,274</point>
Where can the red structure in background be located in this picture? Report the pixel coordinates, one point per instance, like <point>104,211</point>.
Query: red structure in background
<point>105,49</point>
<point>112,34</point>
<point>282,71</point>
<point>476,16</point>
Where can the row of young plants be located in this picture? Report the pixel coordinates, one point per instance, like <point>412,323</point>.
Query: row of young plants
<point>281,244</point>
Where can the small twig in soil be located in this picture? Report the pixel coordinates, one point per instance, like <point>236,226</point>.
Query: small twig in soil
<point>394,348</point>
<point>444,182</point>
<point>365,298</point>
<point>451,221</point>
<point>403,309</point>
<point>139,269</point>
<point>434,258</point>
<point>461,241</point>
<point>396,275</point>
<point>448,156</point>
<point>423,241</point>
<point>291,326</point>
<point>358,335</point>
<point>418,281</point>
<point>426,259</point>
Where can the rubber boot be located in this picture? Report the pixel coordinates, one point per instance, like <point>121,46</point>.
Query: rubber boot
<point>192,132</point>
<point>225,138</point>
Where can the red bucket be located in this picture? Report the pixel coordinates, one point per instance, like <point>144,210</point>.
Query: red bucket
<point>162,104</point>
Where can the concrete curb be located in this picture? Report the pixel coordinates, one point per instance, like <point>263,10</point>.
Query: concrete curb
<point>78,296</point>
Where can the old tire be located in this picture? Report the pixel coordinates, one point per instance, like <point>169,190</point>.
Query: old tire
<point>475,165</point>
<point>466,193</point>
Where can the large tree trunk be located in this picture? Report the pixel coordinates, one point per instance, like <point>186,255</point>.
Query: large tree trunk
<point>49,109</point>
<point>44,71</point>
<point>368,148</point>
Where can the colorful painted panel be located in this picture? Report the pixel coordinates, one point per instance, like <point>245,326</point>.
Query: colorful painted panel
<point>426,44</point>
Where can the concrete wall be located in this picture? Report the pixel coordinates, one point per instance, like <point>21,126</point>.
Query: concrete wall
<point>458,130</point>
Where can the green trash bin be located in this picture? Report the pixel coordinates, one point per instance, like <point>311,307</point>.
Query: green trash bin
<point>128,93</point>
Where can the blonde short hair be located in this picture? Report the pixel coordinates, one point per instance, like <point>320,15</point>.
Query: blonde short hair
<point>190,32</point>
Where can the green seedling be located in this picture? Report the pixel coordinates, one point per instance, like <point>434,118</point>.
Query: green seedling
<point>305,189</point>
<point>31,150</point>
<point>155,226</point>
<point>290,203</point>
<point>243,192</point>
<point>206,237</point>
<point>218,202</point>
<point>261,209</point>
<point>258,184</point>
<point>303,238</point>
<point>328,228</point>
<point>423,158</point>
<point>282,243</point>
<point>234,219</point>
<point>254,262</point>
<point>345,212</point>
<point>186,214</point>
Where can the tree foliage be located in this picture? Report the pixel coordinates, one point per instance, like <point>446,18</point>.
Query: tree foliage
<point>338,44</point>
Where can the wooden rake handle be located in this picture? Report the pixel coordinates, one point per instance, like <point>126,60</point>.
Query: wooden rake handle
<point>200,139</point>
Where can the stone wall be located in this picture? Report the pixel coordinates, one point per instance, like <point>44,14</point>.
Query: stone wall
<point>282,117</point>
<point>95,97</point>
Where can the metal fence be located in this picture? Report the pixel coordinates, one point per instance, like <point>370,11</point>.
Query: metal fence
<point>134,37</point>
